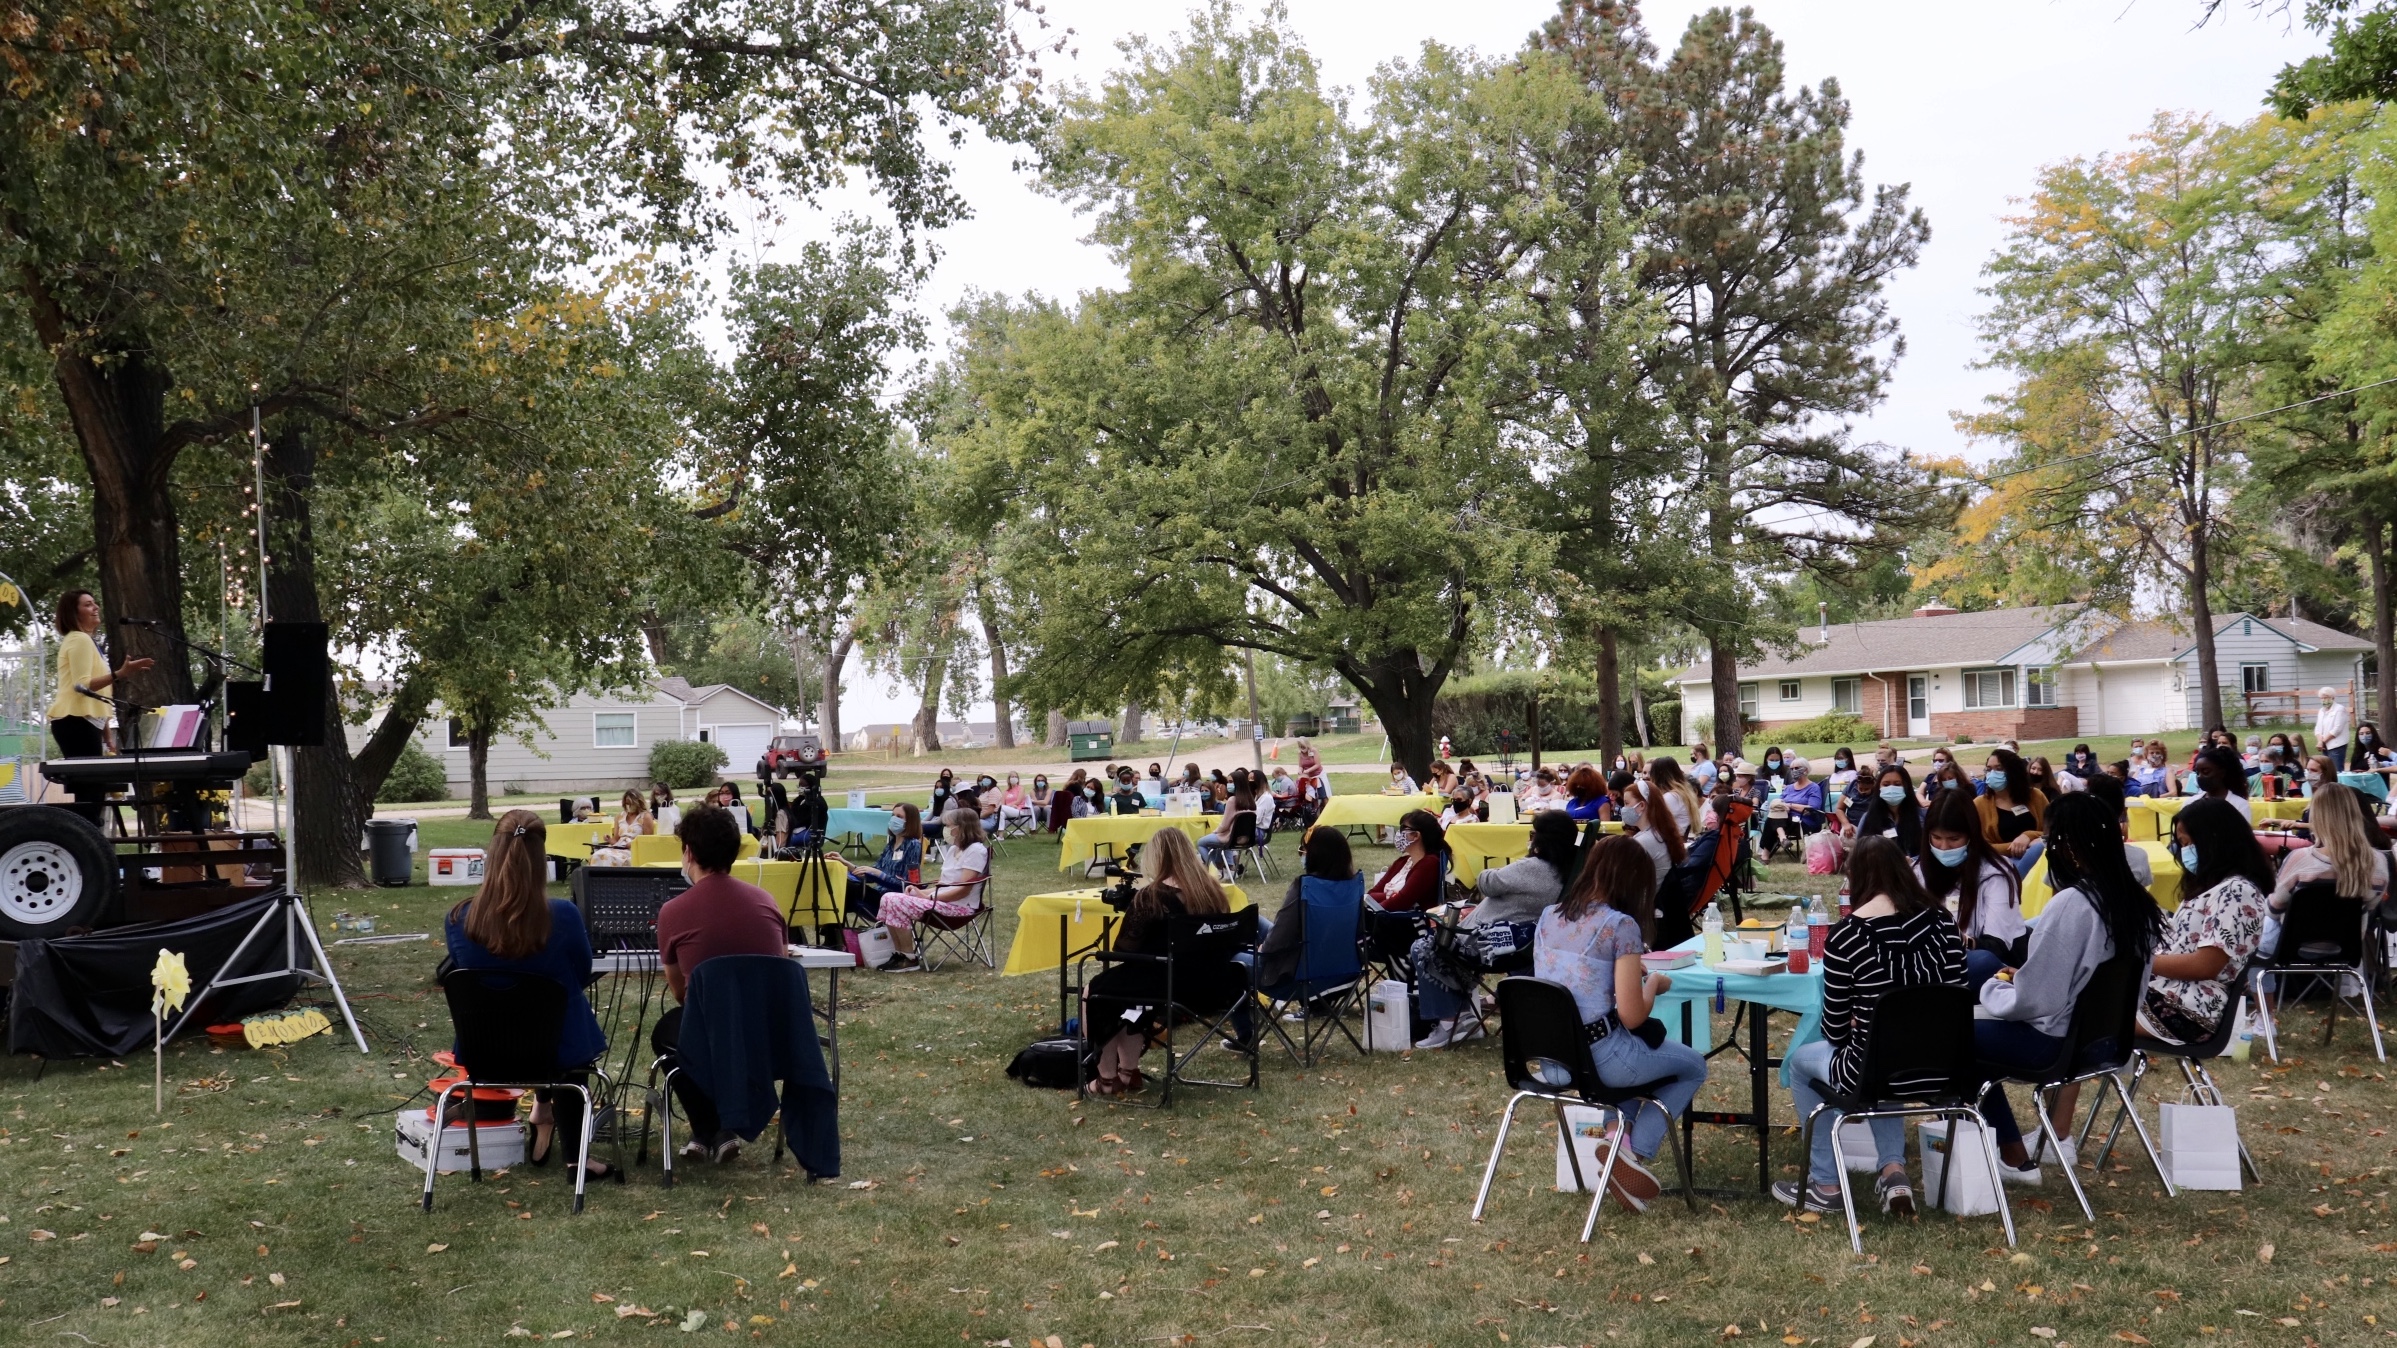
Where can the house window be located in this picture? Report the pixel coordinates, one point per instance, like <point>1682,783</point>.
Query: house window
<point>1846,696</point>
<point>2039,688</point>
<point>457,733</point>
<point>1747,701</point>
<point>2255,678</point>
<point>1790,690</point>
<point>612,729</point>
<point>1987,688</point>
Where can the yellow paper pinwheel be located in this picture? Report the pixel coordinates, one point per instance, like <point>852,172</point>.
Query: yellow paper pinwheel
<point>172,981</point>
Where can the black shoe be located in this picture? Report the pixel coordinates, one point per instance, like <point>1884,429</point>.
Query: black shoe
<point>604,1175</point>
<point>544,1149</point>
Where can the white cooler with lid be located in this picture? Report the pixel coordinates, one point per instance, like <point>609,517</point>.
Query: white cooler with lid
<point>454,865</point>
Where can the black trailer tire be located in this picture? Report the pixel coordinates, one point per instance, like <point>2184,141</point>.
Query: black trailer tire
<point>57,872</point>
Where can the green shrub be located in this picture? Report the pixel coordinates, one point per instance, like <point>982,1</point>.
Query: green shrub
<point>1664,722</point>
<point>1832,727</point>
<point>416,775</point>
<point>260,779</point>
<point>685,765</point>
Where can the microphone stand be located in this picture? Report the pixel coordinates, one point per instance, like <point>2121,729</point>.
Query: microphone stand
<point>216,658</point>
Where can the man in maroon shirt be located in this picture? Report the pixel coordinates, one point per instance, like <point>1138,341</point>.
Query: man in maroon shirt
<point>717,915</point>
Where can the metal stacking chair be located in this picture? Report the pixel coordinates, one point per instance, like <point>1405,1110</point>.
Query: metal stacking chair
<point>2107,1013</point>
<point>1919,1062</point>
<point>508,1026</point>
<point>2322,940</point>
<point>2197,1082</point>
<point>1548,1058</point>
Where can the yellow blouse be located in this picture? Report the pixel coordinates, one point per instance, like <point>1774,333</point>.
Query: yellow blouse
<point>79,662</point>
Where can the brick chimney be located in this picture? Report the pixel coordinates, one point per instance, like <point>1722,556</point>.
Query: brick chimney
<point>1934,609</point>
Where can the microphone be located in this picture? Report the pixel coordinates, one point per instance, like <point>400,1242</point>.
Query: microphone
<point>137,622</point>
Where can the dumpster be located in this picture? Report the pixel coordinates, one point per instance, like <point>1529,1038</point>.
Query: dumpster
<point>387,856</point>
<point>1087,740</point>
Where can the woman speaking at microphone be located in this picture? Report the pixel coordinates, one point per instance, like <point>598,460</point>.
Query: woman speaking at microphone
<point>79,721</point>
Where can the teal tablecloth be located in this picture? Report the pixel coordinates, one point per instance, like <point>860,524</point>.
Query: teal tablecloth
<point>871,825</point>
<point>1798,993</point>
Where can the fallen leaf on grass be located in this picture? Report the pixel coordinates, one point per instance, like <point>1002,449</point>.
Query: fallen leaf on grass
<point>627,1312</point>
<point>2264,1253</point>
<point>1647,1258</point>
<point>1866,1342</point>
<point>283,1305</point>
<point>435,1248</point>
<point>694,1322</point>
<point>2126,1336</point>
<point>861,1184</point>
<point>43,1235</point>
<point>2042,1332</point>
<point>2289,1320</point>
<point>602,1298</point>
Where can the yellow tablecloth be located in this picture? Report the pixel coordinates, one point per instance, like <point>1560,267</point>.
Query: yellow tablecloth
<point>2166,885</point>
<point>821,904</point>
<point>1082,836</point>
<point>2287,807</point>
<point>664,849</point>
<point>1347,811</point>
<point>573,841</point>
<point>2148,815</point>
<point>1036,931</point>
<point>1481,846</point>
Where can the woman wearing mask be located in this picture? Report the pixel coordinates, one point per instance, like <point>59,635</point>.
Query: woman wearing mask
<point>1773,775</point>
<point>2151,771</point>
<point>1585,795</point>
<point>1515,893</point>
<point>2081,762</point>
<point>1040,800</point>
<point>943,788</point>
<point>1889,811</point>
<point>1400,784</point>
<point>1413,881</point>
<point>1015,806</point>
<point>2099,911</point>
<point>898,867</point>
<point>2012,808</point>
<point>1591,942</point>
<point>2215,931</point>
<point>1935,780</point>
<point>1897,936</point>
<point>2372,753</point>
<point>1966,876</point>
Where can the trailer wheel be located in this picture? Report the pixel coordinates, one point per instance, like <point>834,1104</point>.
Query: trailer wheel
<point>56,872</point>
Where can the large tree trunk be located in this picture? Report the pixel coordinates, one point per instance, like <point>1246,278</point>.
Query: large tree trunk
<point>328,811</point>
<point>828,712</point>
<point>1610,698</point>
<point>2384,620</point>
<point>998,671</point>
<point>2201,619</point>
<point>1133,716</point>
<point>1639,714</point>
<point>118,408</point>
<point>1403,696</point>
<point>382,748</point>
<point>1056,737</point>
<point>1723,672</point>
<point>478,770</point>
<point>927,722</point>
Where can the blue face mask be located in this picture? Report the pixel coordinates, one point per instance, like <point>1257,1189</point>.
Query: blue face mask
<point>2189,857</point>
<point>1996,777</point>
<point>1951,783</point>
<point>1950,857</point>
<point>1773,763</point>
<point>1895,795</point>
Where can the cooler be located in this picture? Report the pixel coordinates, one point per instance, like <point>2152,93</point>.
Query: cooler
<point>455,865</point>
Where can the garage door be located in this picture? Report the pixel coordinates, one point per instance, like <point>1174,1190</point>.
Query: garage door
<point>743,745</point>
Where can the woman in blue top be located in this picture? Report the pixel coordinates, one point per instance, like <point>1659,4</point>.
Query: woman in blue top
<point>1585,795</point>
<point>1592,942</point>
<point>511,924</point>
<point>895,870</point>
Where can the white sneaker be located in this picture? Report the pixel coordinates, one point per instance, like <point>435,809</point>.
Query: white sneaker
<point>1443,1034</point>
<point>2028,1176</point>
<point>1466,1032</point>
<point>696,1150</point>
<point>2066,1153</point>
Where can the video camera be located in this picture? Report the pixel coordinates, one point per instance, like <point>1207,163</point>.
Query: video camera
<point>1126,877</point>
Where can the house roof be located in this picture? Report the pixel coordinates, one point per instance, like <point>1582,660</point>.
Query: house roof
<point>2150,640</point>
<point>1907,643</point>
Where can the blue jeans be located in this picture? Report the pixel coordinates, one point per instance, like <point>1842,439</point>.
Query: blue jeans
<point>2029,858</point>
<point>1812,1062</point>
<point>1979,967</point>
<point>1435,1000</point>
<point>1622,1060</point>
<point>2270,945</point>
<point>1212,849</point>
<point>2010,1048</point>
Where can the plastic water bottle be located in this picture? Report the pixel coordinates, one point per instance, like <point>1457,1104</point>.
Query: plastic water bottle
<point>2244,1045</point>
<point>1712,952</point>
<point>1818,927</point>
<point>1796,941</point>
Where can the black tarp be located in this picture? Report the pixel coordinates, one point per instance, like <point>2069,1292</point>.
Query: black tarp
<point>89,996</point>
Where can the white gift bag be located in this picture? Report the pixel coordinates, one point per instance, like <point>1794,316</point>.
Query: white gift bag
<point>874,948</point>
<point>1584,1126</point>
<point>1389,1022</point>
<point>1502,807</point>
<point>857,800</point>
<point>2200,1145</point>
<point>1856,1143</point>
<point>1969,1191</point>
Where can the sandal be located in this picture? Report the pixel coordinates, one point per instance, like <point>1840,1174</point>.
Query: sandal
<point>545,1135</point>
<point>605,1174</point>
<point>1107,1085</point>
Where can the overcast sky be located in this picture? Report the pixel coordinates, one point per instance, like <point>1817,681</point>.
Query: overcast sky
<point>1962,99</point>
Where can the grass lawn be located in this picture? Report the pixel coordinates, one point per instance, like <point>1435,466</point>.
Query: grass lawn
<point>1328,1208</point>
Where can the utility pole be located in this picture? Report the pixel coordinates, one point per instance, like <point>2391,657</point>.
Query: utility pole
<point>1256,727</point>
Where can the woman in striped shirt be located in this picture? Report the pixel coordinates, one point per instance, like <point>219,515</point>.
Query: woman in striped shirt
<point>1896,938</point>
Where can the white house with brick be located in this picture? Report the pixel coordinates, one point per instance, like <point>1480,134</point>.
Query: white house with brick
<point>601,741</point>
<point>2030,673</point>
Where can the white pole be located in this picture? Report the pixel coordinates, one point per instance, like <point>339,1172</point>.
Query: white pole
<point>274,761</point>
<point>1256,727</point>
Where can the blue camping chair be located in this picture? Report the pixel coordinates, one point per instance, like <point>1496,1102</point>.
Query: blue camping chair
<point>1330,980</point>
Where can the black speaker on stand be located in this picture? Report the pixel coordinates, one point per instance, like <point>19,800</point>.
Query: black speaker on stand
<point>298,676</point>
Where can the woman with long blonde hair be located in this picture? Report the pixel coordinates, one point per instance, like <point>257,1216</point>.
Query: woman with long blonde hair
<point>511,925</point>
<point>1124,1004</point>
<point>2343,853</point>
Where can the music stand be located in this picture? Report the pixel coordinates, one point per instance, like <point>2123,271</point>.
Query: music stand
<point>292,910</point>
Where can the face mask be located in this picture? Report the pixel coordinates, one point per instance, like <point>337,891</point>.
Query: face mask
<point>1996,777</point>
<point>1950,857</point>
<point>2189,858</point>
<point>1773,763</point>
<point>1404,839</point>
<point>898,825</point>
<point>1844,762</point>
<point>1951,783</point>
<point>1895,795</point>
<point>2313,779</point>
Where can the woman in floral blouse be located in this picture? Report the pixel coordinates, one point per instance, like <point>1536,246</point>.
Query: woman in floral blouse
<point>2209,939</point>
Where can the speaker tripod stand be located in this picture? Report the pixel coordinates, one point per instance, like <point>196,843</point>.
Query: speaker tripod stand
<point>292,912</point>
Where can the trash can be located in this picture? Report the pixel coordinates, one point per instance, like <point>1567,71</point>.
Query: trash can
<point>387,856</point>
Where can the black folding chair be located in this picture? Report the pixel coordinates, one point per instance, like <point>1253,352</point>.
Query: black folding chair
<point>1194,946</point>
<point>508,1025</point>
<point>2322,942</point>
<point>2197,1082</point>
<point>1330,979</point>
<point>1919,1062</point>
<point>1548,1058</point>
<point>2106,1017</point>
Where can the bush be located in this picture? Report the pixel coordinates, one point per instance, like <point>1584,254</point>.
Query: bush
<point>1664,722</point>
<point>1833,727</point>
<point>1702,728</point>
<point>685,765</point>
<point>417,775</point>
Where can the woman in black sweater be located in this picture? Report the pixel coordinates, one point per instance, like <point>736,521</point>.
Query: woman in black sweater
<point>1895,937</point>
